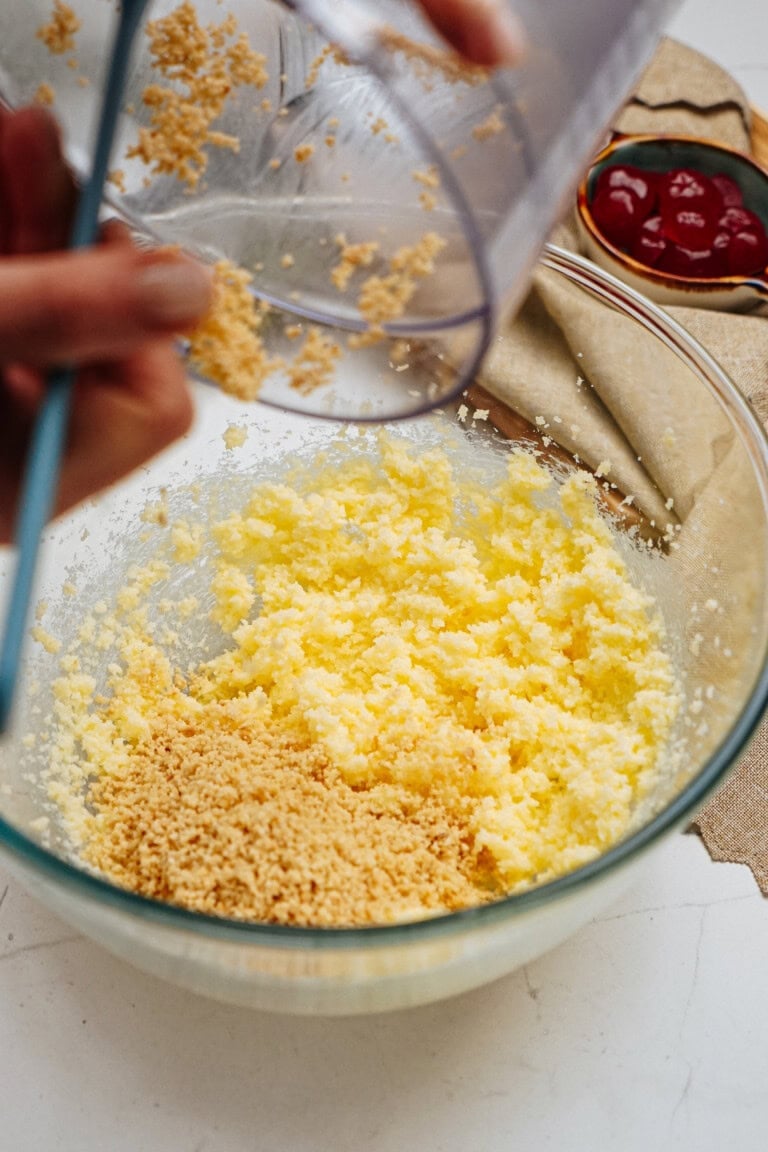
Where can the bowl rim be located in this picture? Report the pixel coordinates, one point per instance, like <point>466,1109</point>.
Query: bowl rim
<point>46,866</point>
<point>757,281</point>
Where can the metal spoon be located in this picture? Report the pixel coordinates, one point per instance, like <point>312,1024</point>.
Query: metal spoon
<point>49,434</point>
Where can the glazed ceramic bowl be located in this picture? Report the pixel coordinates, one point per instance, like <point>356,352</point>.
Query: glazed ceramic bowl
<point>660,154</point>
<point>711,587</point>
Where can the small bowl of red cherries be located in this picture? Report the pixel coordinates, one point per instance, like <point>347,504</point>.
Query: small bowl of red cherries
<point>683,220</point>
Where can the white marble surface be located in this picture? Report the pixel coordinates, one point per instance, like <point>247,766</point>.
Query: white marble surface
<point>645,1031</point>
<point>648,1030</point>
<point>735,34</point>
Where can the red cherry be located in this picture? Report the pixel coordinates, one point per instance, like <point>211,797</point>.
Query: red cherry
<point>691,228</point>
<point>686,188</point>
<point>747,253</point>
<point>654,225</point>
<point>690,263</point>
<point>729,190</point>
<point>617,213</point>
<point>740,220</point>
<point>650,244</point>
<point>720,246</point>
<point>641,183</point>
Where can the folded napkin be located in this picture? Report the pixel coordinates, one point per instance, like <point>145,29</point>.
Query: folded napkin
<point>614,410</point>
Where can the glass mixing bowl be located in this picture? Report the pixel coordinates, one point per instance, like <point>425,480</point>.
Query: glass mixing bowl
<point>703,444</point>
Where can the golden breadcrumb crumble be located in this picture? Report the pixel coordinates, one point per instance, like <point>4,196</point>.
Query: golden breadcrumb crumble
<point>117,178</point>
<point>329,52</point>
<point>314,363</point>
<point>236,820</point>
<point>429,61</point>
<point>352,257</point>
<point>492,126</point>
<point>385,298</point>
<point>58,34</point>
<point>201,65</point>
<point>45,94</point>
<point>429,177</point>
<point>227,346</point>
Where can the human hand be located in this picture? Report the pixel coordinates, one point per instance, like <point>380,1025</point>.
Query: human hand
<point>485,31</point>
<point>111,310</point>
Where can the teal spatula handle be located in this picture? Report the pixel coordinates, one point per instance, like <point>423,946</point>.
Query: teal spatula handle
<point>46,448</point>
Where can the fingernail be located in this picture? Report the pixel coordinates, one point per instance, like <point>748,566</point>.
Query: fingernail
<point>508,33</point>
<point>174,293</point>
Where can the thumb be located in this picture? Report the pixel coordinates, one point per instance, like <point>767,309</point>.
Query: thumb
<point>96,304</point>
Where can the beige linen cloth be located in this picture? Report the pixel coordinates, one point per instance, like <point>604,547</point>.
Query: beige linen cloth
<point>623,406</point>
